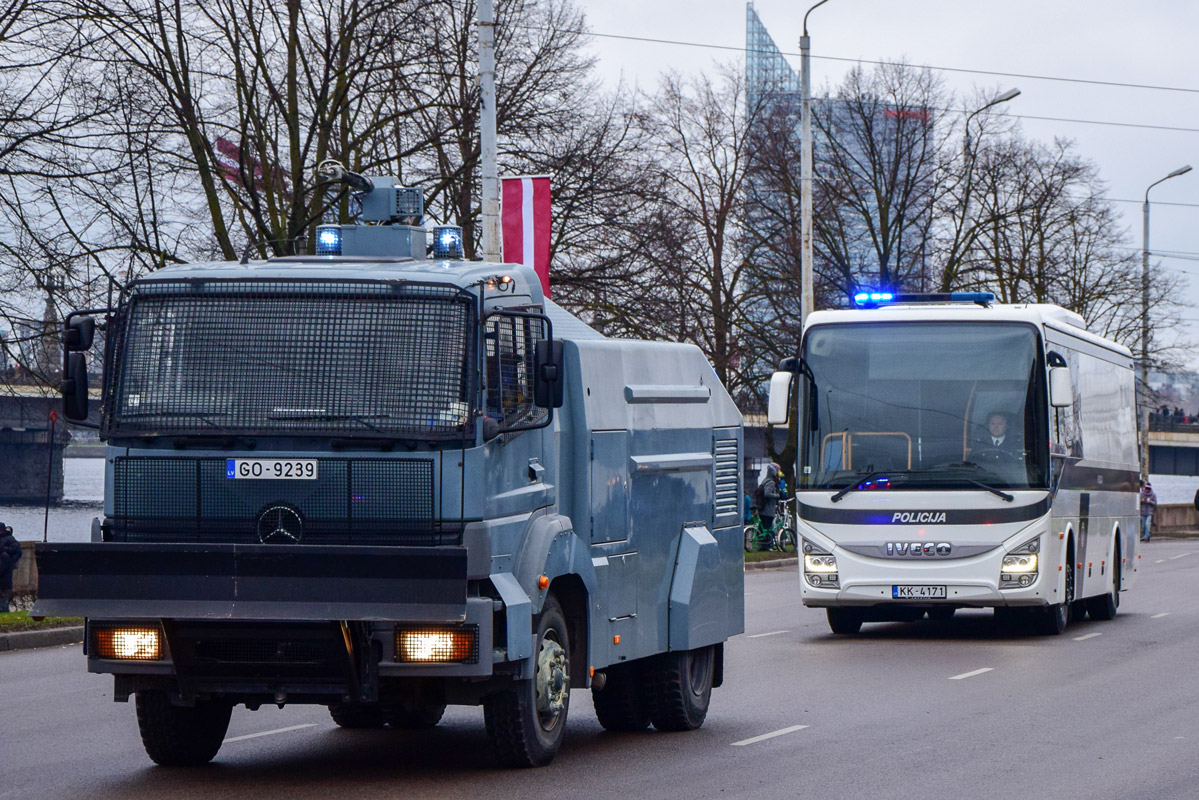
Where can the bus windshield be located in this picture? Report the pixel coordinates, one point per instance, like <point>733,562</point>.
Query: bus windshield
<point>924,405</point>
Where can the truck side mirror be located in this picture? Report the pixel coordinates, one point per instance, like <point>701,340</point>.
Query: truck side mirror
<point>74,388</point>
<point>548,383</point>
<point>1061,390</point>
<point>779,402</point>
<point>79,334</point>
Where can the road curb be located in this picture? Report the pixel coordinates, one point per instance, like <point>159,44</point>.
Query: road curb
<point>777,563</point>
<point>52,637</point>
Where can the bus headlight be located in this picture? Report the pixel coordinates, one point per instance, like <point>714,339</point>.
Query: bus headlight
<point>820,569</point>
<point>1020,563</point>
<point>1019,570</point>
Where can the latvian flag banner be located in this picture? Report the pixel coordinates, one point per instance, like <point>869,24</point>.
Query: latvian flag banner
<point>526,223</point>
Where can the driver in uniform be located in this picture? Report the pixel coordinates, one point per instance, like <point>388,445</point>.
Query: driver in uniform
<point>997,438</point>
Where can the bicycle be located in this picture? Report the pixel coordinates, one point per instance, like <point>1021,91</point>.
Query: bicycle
<point>780,538</point>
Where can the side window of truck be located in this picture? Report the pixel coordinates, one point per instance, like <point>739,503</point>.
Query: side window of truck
<point>510,352</point>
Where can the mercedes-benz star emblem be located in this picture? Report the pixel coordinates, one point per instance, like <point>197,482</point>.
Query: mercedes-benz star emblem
<point>280,525</point>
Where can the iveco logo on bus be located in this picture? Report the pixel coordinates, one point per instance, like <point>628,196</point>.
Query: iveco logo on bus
<point>918,517</point>
<point>919,549</point>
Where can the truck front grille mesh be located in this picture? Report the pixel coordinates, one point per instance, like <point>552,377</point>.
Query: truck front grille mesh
<point>376,501</point>
<point>292,357</point>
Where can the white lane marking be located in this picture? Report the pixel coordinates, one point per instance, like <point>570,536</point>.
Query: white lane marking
<point>1180,555</point>
<point>1159,616</point>
<point>760,635</point>
<point>771,735</point>
<point>268,733</point>
<point>1086,636</point>
<point>971,674</point>
<point>1160,561</point>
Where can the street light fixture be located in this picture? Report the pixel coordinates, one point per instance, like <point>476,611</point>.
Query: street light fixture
<point>806,283</point>
<point>1183,170</point>
<point>968,160</point>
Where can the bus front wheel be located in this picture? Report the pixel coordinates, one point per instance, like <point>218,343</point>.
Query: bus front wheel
<point>844,620</point>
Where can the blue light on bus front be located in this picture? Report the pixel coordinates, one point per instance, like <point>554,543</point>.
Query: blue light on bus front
<point>867,298</point>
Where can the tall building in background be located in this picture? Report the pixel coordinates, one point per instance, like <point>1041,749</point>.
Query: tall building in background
<point>768,74</point>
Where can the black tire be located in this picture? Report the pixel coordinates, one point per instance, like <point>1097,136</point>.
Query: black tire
<point>844,620</point>
<point>751,538</point>
<point>623,703</point>
<point>178,736</point>
<point>526,726</point>
<point>1055,618</point>
<point>786,539</point>
<point>357,715</point>
<point>941,613</point>
<point>680,688</point>
<point>420,707</point>
<point>1105,606</point>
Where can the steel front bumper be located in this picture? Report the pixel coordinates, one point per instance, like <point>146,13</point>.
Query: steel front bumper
<point>117,581</point>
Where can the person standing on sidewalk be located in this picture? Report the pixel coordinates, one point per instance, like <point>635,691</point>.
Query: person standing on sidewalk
<point>1148,503</point>
<point>10,554</point>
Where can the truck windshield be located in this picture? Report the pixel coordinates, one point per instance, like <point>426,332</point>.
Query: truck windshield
<point>920,405</point>
<point>358,358</point>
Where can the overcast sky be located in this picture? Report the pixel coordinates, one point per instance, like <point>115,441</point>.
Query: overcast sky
<point>1146,43</point>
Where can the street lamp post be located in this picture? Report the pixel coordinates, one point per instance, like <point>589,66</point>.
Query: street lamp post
<point>806,281</point>
<point>968,162</point>
<point>1145,321</point>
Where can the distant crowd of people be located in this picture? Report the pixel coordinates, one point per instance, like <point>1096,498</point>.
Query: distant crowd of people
<point>1177,416</point>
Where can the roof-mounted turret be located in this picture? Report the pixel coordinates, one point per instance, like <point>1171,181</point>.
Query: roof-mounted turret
<point>390,223</point>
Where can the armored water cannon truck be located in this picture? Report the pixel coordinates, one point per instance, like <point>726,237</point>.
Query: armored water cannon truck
<point>385,483</point>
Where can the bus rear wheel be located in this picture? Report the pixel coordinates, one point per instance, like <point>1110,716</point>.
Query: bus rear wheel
<point>844,620</point>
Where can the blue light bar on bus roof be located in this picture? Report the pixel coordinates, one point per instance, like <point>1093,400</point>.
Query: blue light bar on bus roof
<point>876,299</point>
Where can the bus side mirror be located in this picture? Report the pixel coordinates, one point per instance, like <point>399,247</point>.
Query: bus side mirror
<point>79,334</point>
<point>74,388</point>
<point>548,383</point>
<point>1061,390</point>
<point>779,402</point>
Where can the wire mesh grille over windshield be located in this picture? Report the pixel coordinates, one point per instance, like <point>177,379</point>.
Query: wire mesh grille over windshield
<point>298,357</point>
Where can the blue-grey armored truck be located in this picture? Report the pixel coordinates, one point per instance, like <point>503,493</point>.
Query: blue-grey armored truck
<point>385,483</point>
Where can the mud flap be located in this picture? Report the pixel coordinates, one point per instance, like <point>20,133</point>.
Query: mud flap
<point>278,582</point>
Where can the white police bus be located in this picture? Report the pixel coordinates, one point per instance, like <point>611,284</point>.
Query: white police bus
<point>956,453</point>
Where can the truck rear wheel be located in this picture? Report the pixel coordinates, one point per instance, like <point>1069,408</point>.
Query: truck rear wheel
<point>527,723</point>
<point>623,704</point>
<point>180,736</point>
<point>680,688</point>
<point>357,715</point>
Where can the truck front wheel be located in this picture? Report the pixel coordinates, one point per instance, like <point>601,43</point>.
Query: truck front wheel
<point>526,724</point>
<point>179,736</point>
<point>680,685</point>
<point>357,715</point>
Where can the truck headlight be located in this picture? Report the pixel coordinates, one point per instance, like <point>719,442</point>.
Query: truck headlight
<point>127,642</point>
<point>437,644</point>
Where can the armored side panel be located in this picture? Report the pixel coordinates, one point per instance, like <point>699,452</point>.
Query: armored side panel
<point>651,456</point>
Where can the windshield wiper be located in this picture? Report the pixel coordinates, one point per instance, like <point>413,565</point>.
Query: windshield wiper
<point>997,492</point>
<point>868,476</point>
<point>991,489</point>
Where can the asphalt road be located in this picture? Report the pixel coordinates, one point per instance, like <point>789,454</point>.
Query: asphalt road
<point>924,710</point>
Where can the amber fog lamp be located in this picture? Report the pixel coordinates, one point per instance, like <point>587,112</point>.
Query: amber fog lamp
<point>128,643</point>
<point>449,644</point>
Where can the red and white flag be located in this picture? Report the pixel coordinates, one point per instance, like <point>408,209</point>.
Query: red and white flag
<point>526,223</point>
